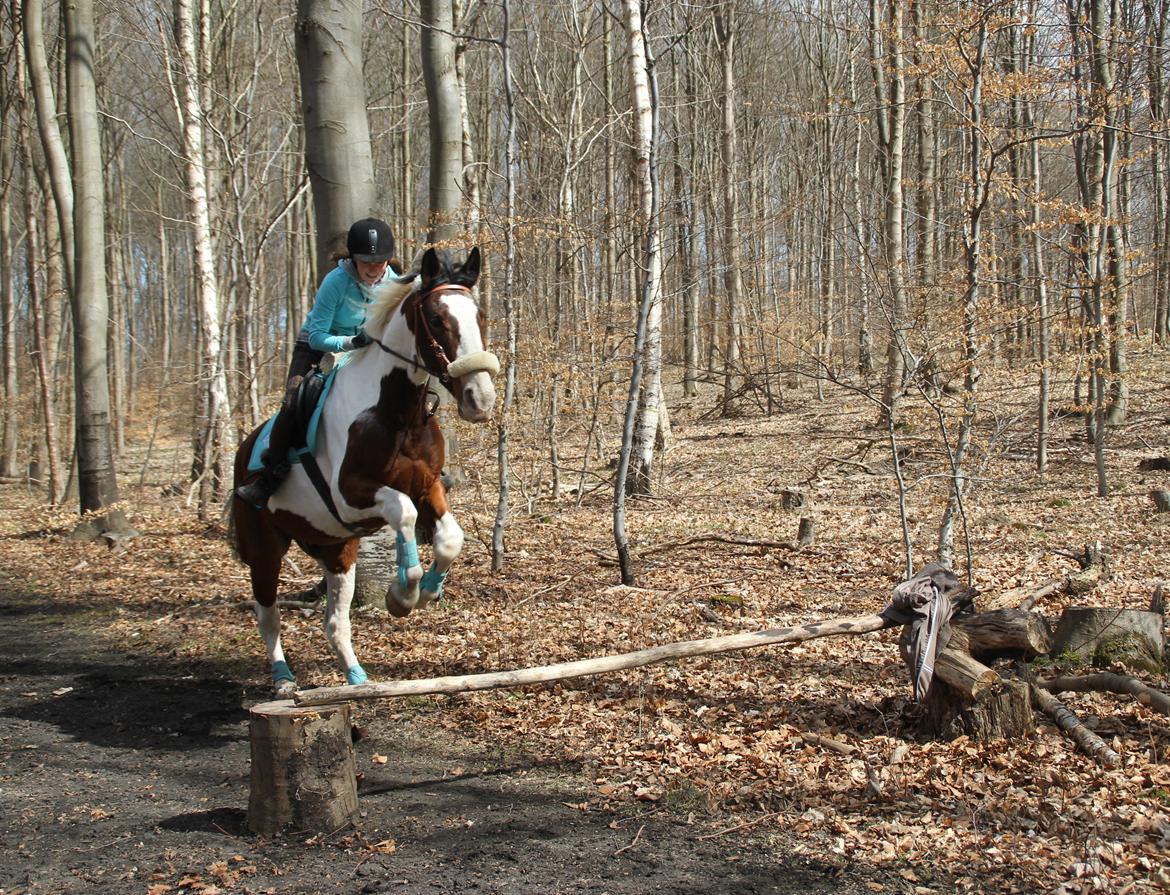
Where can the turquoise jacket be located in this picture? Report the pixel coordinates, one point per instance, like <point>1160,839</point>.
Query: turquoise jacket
<point>341,308</point>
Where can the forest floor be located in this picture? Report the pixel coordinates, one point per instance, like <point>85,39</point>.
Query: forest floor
<point>126,673</point>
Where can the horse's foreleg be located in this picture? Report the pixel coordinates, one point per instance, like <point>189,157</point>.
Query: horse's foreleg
<point>448,542</point>
<point>268,621</point>
<point>401,514</point>
<point>337,628</point>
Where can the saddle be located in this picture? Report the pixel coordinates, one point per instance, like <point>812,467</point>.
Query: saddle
<point>306,409</point>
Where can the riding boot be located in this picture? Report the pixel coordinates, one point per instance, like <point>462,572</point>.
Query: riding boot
<point>256,492</point>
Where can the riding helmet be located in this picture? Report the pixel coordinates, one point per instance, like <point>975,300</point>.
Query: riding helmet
<point>370,241</point>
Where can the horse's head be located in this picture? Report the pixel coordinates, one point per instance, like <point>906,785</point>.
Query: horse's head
<point>448,328</point>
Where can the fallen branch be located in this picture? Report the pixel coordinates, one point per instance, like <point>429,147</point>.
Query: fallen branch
<point>1021,597</point>
<point>1067,721</point>
<point>1107,682</point>
<point>718,539</point>
<point>462,683</point>
<point>841,748</point>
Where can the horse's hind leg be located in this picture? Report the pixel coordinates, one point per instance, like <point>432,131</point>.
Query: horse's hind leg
<point>263,549</point>
<point>337,628</point>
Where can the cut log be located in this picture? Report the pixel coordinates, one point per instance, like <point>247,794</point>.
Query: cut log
<point>1021,597</point>
<point>1094,563</point>
<point>1005,633</point>
<point>1155,464</point>
<point>1101,636</point>
<point>969,678</point>
<point>303,776</point>
<point>793,499</point>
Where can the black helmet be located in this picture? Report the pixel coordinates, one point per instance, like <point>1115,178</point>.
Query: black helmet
<point>370,241</point>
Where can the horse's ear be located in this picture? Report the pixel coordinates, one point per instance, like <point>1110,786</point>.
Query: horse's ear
<point>471,265</point>
<point>430,267</point>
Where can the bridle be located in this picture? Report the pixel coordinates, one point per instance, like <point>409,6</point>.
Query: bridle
<point>447,370</point>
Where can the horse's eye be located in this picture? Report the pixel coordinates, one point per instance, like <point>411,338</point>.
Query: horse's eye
<point>436,321</point>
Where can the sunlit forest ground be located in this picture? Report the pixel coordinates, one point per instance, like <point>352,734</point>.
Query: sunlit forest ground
<point>815,746</point>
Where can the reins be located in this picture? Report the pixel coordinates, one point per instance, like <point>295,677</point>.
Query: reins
<point>421,329</point>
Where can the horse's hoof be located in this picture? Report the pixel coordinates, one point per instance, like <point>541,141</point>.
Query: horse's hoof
<point>400,605</point>
<point>284,689</point>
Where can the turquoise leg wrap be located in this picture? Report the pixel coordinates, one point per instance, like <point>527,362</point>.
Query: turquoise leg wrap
<point>432,581</point>
<point>407,553</point>
<point>356,675</point>
<point>281,672</point>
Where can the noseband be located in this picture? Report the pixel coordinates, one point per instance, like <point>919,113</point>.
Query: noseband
<point>446,369</point>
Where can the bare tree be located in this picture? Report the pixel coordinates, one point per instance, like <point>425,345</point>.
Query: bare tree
<point>723,15</point>
<point>644,88</point>
<point>888,64</point>
<point>337,129</point>
<point>98,485</point>
<point>446,143</point>
<point>213,440</point>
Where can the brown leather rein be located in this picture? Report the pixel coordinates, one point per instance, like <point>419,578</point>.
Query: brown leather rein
<point>422,330</point>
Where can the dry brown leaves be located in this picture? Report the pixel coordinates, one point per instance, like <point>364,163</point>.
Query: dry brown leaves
<point>813,744</point>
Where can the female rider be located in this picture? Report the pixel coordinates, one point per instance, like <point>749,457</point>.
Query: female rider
<point>335,325</point>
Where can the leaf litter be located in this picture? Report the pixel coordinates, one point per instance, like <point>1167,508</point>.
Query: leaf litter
<point>814,746</point>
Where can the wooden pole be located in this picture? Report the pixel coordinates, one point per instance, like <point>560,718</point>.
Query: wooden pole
<point>462,683</point>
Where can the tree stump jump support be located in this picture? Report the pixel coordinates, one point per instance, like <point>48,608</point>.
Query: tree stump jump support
<point>303,776</point>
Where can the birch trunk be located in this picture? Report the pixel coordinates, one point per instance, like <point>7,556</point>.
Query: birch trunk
<point>644,90</point>
<point>645,161</point>
<point>217,435</point>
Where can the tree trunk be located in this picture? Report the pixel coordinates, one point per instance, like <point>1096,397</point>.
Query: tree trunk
<point>337,132</point>
<point>58,168</point>
<point>446,142</point>
<point>890,91</point>
<point>511,173</point>
<point>643,86</point>
<point>724,18</point>
<point>10,444</point>
<point>42,331</point>
<point>218,433</point>
<point>98,486</point>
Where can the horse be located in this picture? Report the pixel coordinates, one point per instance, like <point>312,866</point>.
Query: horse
<point>378,459</point>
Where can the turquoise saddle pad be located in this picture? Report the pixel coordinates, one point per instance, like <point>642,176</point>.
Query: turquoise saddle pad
<point>310,446</point>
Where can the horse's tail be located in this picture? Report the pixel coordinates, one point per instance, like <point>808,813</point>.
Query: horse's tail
<point>232,537</point>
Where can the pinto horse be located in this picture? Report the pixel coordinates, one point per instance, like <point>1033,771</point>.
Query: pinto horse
<point>379,452</point>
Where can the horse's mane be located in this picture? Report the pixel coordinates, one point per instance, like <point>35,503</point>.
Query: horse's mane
<point>386,299</point>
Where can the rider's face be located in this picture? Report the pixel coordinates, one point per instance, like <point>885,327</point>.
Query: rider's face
<point>370,271</point>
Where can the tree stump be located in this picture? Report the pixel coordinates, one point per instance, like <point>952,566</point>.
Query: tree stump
<point>1101,636</point>
<point>966,698</point>
<point>375,565</point>
<point>793,499</point>
<point>303,776</point>
<point>807,531</point>
<point>1003,710</point>
<point>1161,500</point>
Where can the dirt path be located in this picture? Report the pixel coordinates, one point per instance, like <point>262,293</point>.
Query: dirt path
<point>117,775</point>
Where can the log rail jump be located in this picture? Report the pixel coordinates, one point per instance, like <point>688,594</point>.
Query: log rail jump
<point>967,697</point>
